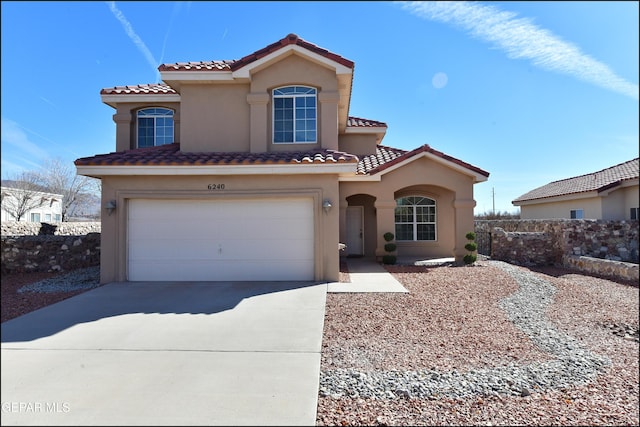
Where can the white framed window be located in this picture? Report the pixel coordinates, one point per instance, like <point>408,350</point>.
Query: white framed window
<point>295,115</point>
<point>155,126</point>
<point>47,217</point>
<point>415,218</point>
<point>634,213</point>
<point>576,214</point>
<point>35,217</point>
<point>57,217</point>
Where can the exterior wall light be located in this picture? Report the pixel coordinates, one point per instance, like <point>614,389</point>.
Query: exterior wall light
<point>110,206</point>
<point>326,205</point>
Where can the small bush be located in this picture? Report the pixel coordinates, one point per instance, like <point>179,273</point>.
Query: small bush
<point>390,247</point>
<point>389,259</point>
<point>471,235</point>
<point>388,236</point>
<point>470,259</point>
<point>471,247</point>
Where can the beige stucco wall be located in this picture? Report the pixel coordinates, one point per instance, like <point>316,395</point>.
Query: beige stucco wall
<point>614,205</point>
<point>360,145</point>
<point>323,186</point>
<point>214,118</point>
<point>452,191</point>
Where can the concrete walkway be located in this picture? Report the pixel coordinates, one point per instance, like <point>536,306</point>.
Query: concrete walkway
<point>367,276</point>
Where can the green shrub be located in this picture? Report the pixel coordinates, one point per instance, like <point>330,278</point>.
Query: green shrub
<point>471,247</point>
<point>470,259</point>
<point>389,259</point>
<point>390,247</point>
<point>388,236</point>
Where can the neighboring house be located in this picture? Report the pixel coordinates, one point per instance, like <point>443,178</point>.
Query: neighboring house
<point>31,206</point>
<point>253,169</point>
<point>609,194</point>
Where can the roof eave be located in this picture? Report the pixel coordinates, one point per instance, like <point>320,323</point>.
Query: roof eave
<point>114,99</point>
<point>184,170</point>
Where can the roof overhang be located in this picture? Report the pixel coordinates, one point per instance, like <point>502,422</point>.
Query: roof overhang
<point>112,100</point>
<point>300,169</point>
<point>561,198</point>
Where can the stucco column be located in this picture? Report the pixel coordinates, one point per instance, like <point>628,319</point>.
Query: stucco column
<point>124,139</point>
<point>258,121</point>
<point>462,225</point>
<point>343,221</point>
<point>328,119</point>
<point>385,220</point>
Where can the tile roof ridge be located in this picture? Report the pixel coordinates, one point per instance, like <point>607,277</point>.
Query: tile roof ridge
<point>596,173</point>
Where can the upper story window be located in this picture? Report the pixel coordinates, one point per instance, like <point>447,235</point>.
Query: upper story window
<point>294,115</point>
<point>155,127</point>
<point>576,213</point>
<point>415,218</point>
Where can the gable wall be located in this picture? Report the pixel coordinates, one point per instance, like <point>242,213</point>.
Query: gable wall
<point>295,70</point>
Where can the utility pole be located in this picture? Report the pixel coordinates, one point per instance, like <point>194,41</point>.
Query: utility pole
<point>493,197</point>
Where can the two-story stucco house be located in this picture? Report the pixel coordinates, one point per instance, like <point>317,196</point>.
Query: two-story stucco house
<point>608,194</point>
<point>253,169</point>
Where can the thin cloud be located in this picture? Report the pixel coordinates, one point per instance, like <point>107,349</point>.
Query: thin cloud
<point>134,37</point>
<point>13,135</point>
<point>176,10</point>
<point>521,39</point>
<point>48,102</point>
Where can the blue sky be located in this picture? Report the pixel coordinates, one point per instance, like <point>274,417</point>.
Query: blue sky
<point>531,92</point>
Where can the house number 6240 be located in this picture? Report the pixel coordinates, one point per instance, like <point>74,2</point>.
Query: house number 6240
<point>215,187</point>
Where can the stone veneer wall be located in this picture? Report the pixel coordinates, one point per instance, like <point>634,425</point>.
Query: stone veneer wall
<point>44,247</point>
<point>608,248</point>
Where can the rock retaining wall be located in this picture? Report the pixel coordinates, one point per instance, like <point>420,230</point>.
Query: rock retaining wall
<point>43,247</point>
<point>607,248</point>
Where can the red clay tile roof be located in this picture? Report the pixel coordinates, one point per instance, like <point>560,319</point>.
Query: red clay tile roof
<point>386,157</point>
<point>146,89</point>
<point>170,155</point>
<point>358,122</point>
<point>596,181</point>
<point>236,64</point>
<point>383,155</point>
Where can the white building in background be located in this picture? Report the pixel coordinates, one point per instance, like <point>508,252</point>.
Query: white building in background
<point>37,206</point>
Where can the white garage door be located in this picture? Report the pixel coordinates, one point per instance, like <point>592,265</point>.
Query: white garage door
<point>196,240</point>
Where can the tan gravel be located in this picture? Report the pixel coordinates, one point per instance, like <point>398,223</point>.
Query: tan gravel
<point>451,320</point>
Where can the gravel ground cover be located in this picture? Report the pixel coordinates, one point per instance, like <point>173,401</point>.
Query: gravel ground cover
<point>491,344</point>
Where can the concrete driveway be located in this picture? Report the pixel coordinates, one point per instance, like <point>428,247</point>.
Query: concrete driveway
<point>188,353</point>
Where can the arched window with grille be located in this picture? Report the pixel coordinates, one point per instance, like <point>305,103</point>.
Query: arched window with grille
<point>155,126</point>
<point>294,115</point>
<point>415,218</point>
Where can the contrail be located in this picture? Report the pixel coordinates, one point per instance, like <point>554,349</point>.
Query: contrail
<point>521,39</point>
<point>135,38</point>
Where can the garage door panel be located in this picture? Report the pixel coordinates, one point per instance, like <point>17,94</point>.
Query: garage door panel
<point>221,271</point>
<point>297,228</point>
<point>192,240</point>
